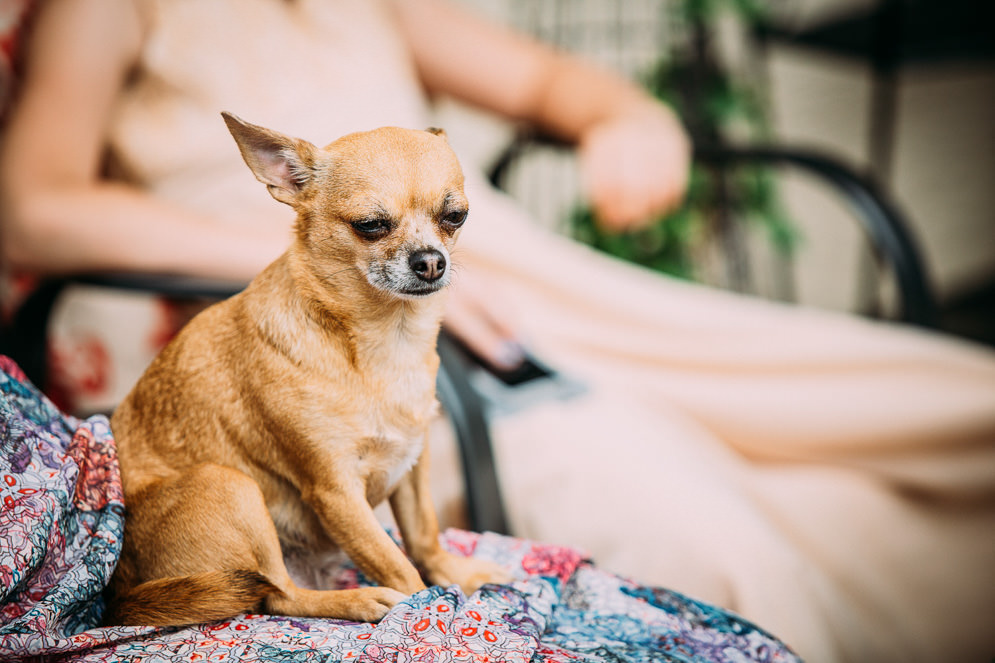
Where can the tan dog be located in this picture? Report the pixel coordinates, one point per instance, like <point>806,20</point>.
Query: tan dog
<point>281,415</point>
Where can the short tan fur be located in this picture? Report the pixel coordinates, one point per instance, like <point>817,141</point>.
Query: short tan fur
<point>278,418</point>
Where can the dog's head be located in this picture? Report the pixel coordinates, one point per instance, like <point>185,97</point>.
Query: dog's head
<point>388,202</point>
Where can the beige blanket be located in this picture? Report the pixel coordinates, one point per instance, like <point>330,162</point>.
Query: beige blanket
<point>831,478</point>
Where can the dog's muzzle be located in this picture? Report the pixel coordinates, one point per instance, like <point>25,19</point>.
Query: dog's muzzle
<point>417,273</point>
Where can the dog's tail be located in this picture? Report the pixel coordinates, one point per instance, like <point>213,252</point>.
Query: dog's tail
<point>193,599</point>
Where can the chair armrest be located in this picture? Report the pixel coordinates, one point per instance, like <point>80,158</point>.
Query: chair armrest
<point>187,287</point>
<point>885,226</point>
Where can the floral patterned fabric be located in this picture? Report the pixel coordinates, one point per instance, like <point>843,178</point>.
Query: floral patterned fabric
<point>62,520</point>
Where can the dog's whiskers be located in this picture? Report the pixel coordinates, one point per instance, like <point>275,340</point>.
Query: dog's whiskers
<point>341,271</point>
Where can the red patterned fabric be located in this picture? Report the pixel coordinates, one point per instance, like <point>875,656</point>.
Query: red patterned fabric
<point>62,518</point>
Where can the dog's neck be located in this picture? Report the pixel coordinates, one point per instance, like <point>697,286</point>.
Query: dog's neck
<point>366,325</point>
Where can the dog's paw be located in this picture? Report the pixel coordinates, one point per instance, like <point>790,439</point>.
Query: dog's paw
<point>469,573</point>
<point>371,604</point>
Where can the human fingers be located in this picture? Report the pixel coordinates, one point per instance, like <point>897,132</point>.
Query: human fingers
<point>484,325</point>
<point>634,170</point>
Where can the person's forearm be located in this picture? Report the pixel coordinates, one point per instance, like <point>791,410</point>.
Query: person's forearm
<point>486,65</point>
<point>111,228</point>
<point>57,215</point>
<point>573,96</point>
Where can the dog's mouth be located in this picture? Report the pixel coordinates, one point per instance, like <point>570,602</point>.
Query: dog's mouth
<point>421,289</point>
<point>406,288</point>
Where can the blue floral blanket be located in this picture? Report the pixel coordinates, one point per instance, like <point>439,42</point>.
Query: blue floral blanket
<point>61,524</point>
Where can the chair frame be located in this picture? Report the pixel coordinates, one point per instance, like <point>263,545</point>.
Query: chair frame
<point>885,226</point>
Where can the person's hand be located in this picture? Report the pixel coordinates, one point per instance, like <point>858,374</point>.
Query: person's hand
<point>635,167</point>
<point>483,321</point>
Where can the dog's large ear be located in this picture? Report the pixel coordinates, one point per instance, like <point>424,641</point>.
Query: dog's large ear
<point>283,164</point>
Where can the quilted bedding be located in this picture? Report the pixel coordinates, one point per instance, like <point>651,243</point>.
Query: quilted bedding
<point>61,524</point>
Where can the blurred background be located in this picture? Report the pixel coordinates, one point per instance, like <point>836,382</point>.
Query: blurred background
<point>902,91</point>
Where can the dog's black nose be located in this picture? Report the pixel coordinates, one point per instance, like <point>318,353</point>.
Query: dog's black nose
<point>428,265</point>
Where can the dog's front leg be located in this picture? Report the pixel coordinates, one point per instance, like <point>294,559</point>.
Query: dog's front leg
<point>411,503</point>
<point>352,525</point>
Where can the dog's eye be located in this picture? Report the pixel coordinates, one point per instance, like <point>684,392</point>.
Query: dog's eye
<point>371,228</point>
<point>454,219</point>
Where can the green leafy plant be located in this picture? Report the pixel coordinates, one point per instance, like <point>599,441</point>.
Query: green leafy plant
<point>711,102</point>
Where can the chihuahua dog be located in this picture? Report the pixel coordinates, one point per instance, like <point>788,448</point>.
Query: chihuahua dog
<point>278,418</point>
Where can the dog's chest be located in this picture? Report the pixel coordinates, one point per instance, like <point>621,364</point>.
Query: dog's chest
<point>381,443</point>
<point>368,423</point>
<point>392,433</point>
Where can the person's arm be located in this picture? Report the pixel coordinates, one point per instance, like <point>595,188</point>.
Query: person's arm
<point>634,151</point>
<point>58,215</point>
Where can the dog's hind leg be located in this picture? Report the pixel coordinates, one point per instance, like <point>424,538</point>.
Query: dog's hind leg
<point>217,525</point>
